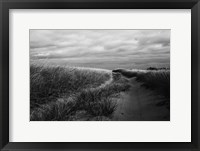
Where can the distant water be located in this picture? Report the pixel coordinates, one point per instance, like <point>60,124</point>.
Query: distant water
<point>101,64</point>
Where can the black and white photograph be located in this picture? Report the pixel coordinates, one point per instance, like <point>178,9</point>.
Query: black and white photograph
<point>99,74</point>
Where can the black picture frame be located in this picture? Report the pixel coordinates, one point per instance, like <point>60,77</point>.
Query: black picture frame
<point>5,5</point>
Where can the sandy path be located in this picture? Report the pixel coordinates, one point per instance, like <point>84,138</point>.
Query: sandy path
<point>139,104</point>
<point>106,83</point>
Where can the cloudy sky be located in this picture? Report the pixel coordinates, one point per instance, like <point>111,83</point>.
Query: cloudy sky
<point>107,49</point>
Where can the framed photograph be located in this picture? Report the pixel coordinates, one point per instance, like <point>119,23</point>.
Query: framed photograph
<point>99,75</point>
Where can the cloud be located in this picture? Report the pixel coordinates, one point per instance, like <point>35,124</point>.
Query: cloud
<point>93,45</point>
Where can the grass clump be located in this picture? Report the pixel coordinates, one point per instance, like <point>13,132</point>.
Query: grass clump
<point>157,80</point>
<point>53,111</point>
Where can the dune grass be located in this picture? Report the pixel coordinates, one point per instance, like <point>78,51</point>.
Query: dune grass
<point>158,81</point>
<point>50,83</point>
<point>65,93</point>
